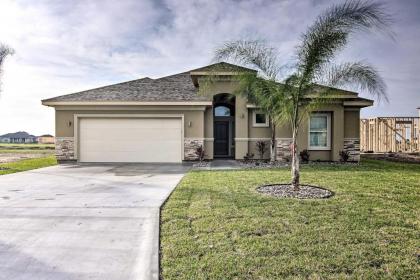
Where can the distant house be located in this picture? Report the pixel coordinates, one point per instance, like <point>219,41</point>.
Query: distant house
<point>46,139</point>
<point>18,137</point>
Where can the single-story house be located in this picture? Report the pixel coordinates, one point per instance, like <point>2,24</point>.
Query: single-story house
<point>46,139</point>
<point>165,120</point>
<point>20,137</point>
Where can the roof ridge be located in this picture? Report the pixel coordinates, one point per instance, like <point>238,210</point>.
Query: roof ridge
<point>223,63</point>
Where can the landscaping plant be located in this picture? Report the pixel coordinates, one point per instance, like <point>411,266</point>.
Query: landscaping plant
<point>304,155</point>
<point>262,148</point>
<point>4,52</point>
<point>199,151</point>
<point>248,157</point>
<point>344,156</point>
<point>311,78</point>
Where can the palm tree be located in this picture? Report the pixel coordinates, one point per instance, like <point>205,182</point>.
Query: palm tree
<point>312,77</point>
<point>4,52</point>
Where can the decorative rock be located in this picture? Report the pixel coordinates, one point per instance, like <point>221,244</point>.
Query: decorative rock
<point>283,152</point>
<point>190,147</point>
<point>352,145</point>
<point>255,164</point>
<point>64,148</point>
<point>286,191</point>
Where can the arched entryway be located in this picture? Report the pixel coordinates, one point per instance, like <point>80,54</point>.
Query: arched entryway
<point>224,125</point>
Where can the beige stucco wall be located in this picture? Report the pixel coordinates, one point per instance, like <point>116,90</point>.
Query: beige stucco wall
<point>241,115</point>
<point>344,123</point>
<point>196,130</point>
<point>208,133</point>
<point>337,134</point>
<point>352,123</point>
<point>257,132</point>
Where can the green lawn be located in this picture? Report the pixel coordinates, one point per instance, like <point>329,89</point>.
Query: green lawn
<point>215,225</point>
<point>13,146</point>
<point>27,164</point>
<point>26,151</point>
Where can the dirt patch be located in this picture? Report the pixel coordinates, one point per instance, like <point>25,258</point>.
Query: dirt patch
<point>12,157</point>
<point>287,191</point>
<point>396,157</point>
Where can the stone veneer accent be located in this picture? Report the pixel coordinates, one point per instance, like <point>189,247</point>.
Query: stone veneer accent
<point>283,152</point>
<point>190,146</point>
<point>64,148</point>
<point>352,145</point>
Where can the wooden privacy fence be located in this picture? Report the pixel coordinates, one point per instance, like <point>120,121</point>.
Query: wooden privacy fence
<point>390,134</point>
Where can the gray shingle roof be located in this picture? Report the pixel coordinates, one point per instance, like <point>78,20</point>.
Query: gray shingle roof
<point>178,87</point>
<point>222,66</point>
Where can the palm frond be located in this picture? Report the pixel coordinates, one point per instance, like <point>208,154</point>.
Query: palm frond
<point>256,54</point>
<point>359,75</point>
<point>330,32</point>
<point>4,52</point>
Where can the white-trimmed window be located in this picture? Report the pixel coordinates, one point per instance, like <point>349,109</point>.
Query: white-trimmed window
<point>320,131</point>
<point>260,119</point>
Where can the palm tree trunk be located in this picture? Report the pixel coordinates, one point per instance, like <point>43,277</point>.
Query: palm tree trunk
<point>273,142</point>
<point>295,162</point>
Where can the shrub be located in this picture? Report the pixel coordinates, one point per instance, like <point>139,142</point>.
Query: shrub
<point>262,147</point>
<point>199,151</point>
<point>248,156</point>
<point>344,156</point>
<point>304,155</point>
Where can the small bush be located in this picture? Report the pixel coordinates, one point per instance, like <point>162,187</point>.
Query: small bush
<point>199,151</point>
<point>304,155</point>
<point>248,156</point>
<point>344,156</point>
<point>262,147</point>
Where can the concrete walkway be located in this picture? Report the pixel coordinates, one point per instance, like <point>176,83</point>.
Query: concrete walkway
<point>83,222</point>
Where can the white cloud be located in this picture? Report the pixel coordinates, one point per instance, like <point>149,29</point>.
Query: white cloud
<point>67,46</point>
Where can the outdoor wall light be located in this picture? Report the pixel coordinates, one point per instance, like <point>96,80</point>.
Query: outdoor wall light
<point>189,124</point>
<point>243,116</point>
<point>69,123</point>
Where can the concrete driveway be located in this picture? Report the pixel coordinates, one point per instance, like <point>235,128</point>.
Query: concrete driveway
<point>84,221</point>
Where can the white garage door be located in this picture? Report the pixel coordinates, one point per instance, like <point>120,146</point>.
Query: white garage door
<point>130,139</point>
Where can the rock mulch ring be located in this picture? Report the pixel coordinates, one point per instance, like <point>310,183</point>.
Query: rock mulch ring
<point>201,164</point>
<point>286,191</point>
<point>262,164</point>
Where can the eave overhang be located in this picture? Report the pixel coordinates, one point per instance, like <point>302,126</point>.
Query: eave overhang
<point>126,103</point>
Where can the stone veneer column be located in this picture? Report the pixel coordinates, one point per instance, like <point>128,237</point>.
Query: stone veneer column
<point>190,146</point>
<point>64,148</point>
<point>352,145</point>
<point>283,152</point>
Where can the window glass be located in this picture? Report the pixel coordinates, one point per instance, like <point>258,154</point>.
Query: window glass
<point>318,131</point>
<point>260,118</point>
<point>222,111</point>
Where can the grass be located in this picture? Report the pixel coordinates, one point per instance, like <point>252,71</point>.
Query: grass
<point>216,226</point>
<point>27,164</point>
<point>14,146</point>
<point>26,151</point>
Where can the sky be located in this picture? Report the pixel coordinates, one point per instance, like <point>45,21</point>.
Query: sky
<point>68,46</point>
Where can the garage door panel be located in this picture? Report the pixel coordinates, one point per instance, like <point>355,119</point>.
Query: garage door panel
<point>130,140</point>
<point>132,146</point>
<point>134,123</point>
<point>119,133</point>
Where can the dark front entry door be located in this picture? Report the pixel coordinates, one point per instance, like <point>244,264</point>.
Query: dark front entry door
<point>221,138</point>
